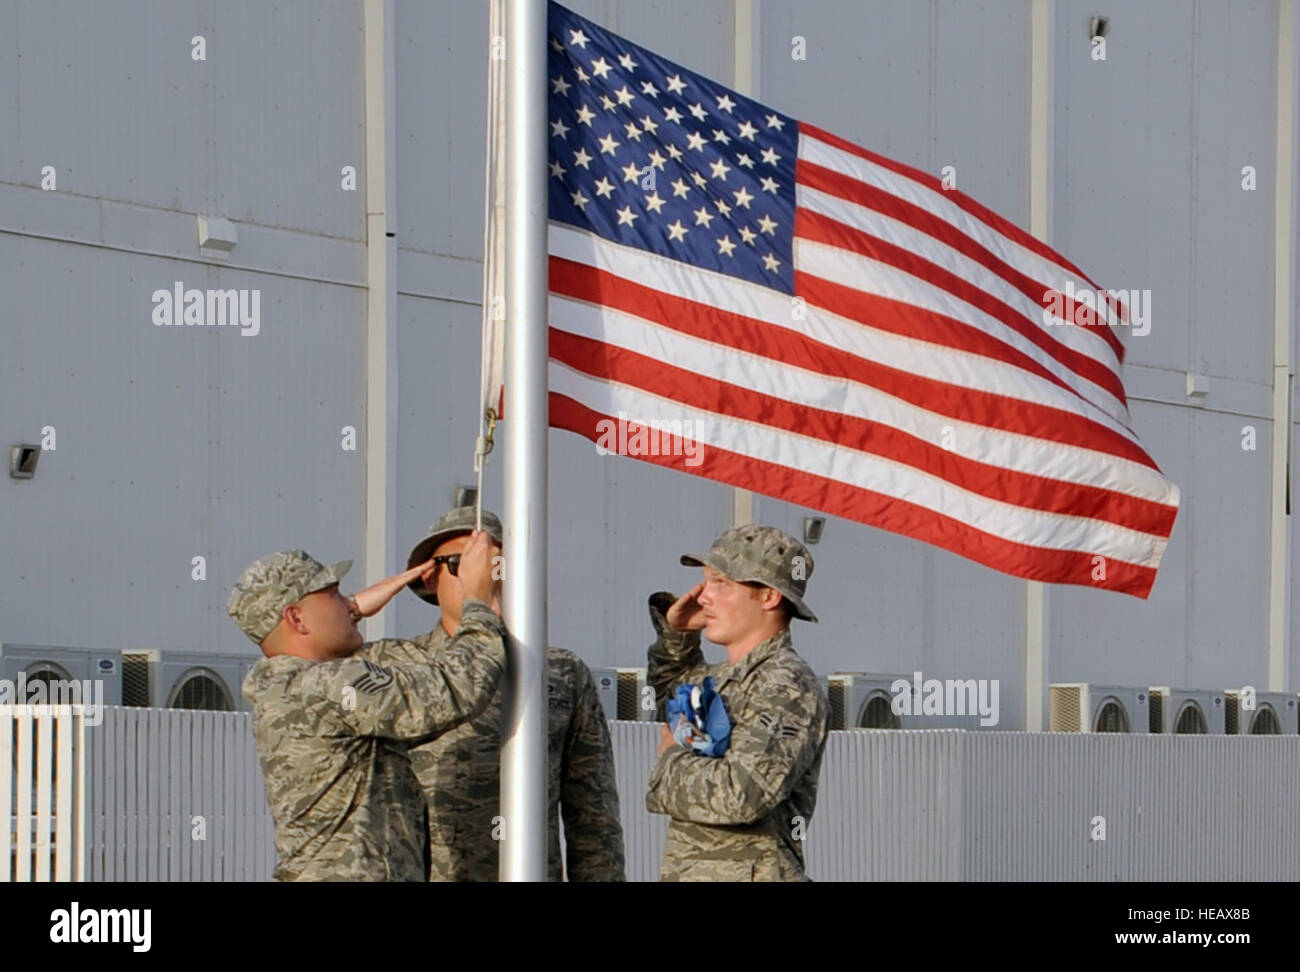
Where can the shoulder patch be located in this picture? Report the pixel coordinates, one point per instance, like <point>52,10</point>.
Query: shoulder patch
<point>373,679</point>
<point>772,723</point>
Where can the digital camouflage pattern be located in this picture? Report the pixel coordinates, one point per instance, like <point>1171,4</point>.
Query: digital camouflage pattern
<point>740,817</point>
<point>455,522</point>
<point>270,584</point>
<point>332,737</point>
<point>763,554</point>
<point>460,774</point>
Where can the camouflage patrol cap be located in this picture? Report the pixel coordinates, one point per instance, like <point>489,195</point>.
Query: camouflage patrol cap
<point>763,554</point>
<point>270,584</point>
<point>453,523</point>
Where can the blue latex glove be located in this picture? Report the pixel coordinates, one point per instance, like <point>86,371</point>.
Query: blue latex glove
<point>698,719</point>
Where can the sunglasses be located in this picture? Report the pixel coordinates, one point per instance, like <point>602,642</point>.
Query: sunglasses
<point>451,560</point>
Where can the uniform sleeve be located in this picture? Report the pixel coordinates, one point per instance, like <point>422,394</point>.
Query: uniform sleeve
<point>411,700</point>
<point>674,658</point>
<point>391,651</point>
<point>593,836</point>
<point>769,752</point>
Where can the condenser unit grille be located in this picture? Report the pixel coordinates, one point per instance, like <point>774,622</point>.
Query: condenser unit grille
<point>47,673</point>
<point>1156,712</point>
<point>835,692</point>
<point>1111,717</point>
<point>1265,722</point>
<point>879,713</point>
<point>201,690</point>
<point>1191,721</point>
<point>136,689</point>
<point>56,685</point>
<point>629,697</point>
<point>1066,714</point>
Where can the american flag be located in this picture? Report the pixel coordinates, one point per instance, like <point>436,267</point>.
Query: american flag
<point>830,328</point>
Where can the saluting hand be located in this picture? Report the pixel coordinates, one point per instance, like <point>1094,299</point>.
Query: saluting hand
<point>368,602</point>
<point>686,614</point>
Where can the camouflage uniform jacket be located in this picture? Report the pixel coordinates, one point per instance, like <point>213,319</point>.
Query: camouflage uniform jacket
<point>460,773</point>
<point>332,740</point>
<point>740,817</point>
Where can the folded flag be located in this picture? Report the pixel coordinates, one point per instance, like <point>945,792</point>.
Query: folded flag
<point>697,716</point>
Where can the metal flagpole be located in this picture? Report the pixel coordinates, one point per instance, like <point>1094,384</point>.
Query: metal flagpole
<point>523,751</point>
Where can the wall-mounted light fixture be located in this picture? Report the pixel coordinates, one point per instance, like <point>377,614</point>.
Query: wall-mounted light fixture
<point>23,459</point>
<point>1098,27</point>
<point>217,237</point>
<point>812,528</point>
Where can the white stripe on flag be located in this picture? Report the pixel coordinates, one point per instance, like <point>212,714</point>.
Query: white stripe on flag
<point>872,277</point>
<point>923,358</point>
<point>1039,268</point>
<point>1052,460</point>
<point>908,237</point>
<point>862,470</point>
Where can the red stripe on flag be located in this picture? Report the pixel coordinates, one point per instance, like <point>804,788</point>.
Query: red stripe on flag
<point>995,482</point>
<point>895,207</point>
<point>982,213</point>
<point>704,321</point>
<point>822,229</point>
<point>987,216</point>
<point>885,512</point>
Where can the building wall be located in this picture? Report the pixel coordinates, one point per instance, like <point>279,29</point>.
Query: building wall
<point>181,442</point>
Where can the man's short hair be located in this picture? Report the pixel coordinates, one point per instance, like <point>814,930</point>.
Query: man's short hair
<point>786,607</point>
<point>788,610</point>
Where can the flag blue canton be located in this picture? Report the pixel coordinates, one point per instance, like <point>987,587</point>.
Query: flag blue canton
<point>649,155</point>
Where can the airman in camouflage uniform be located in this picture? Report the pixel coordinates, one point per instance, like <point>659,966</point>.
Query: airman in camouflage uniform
<point>742,816</point>
<point>460,771</point>
<point>332,726</point>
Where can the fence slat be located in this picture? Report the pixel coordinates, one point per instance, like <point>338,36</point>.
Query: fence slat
<point>23,868</point>
<point>157,834</point>
<point>177,833</point>
<point>229,843</point>
<point>65,770</point>
<point>8,725</point>
<point>44,770</point>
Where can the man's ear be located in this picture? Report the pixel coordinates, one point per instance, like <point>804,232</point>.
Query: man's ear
<point>292,616</point>
<point>771,599</point>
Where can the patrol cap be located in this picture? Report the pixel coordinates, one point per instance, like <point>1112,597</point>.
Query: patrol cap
<point>763,554</point>
<point>453,523</point>
<point>270,584</point>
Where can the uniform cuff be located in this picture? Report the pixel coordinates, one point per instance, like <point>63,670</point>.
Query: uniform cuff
<point>476,610</point>
<point>674,642</point>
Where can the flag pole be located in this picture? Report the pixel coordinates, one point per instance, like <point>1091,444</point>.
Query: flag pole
<point>524,750</point>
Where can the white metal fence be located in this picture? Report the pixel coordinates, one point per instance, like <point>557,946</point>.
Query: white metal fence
<point>158,794</point>
<point>40,772</point>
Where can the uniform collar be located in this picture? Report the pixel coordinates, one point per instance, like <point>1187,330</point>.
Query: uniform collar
<point>737,671</point>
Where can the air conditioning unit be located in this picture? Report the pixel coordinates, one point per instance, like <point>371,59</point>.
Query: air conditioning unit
<point>185,680</point>
<point>865,700</point>
<point>58,668</point>
<point>607,690</point>
<point>1274,714</point>
<point>140,678</point>
<point>620,691</point>
<point>1187,712</point>
<point>1084,707</point>
<point>631,691</point>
